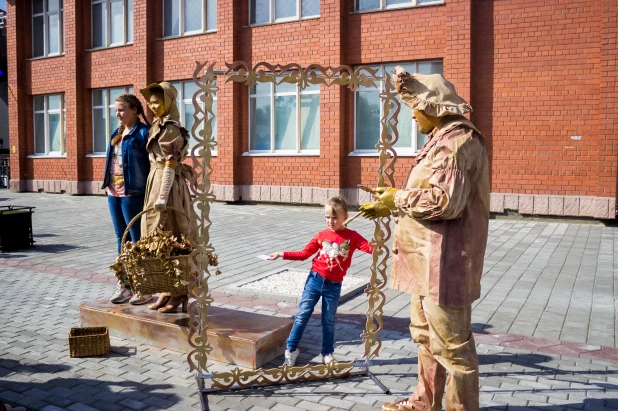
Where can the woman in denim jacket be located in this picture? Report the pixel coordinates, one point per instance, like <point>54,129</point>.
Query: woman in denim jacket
<point>126,170</point>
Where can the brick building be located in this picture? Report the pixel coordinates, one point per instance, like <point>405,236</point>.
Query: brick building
<point>541,75</point>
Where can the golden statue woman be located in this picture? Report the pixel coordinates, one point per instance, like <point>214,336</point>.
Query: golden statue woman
<point>167,146</point>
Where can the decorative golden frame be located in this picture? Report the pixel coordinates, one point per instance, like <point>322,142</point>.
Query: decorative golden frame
<point>240,72</point>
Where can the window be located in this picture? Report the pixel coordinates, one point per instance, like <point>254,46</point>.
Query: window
<point>49,124</point>
<point>270,11</point>
<point>362,5</point>
<point>104,121</point>
<point>186,90</point>
<point>47,28</point>
<point>284,119</point>
<point>112,22</point>
<point>181,17</point>
<point>368,112</point>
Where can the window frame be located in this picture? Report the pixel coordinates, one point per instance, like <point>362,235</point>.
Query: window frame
<point>106,106</point>
<point>404,151</point>
<point>46,26</point>
<point>383,6</point>
<point>273,96</point>
<point>181,100</point>
<point>273,20</point>
<point>181,23</point>
<point>46,112</point>
<point>108,23</point>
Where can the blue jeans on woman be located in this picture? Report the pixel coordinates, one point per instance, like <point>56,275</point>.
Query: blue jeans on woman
<point>122,210</point>
<point>316,287</point>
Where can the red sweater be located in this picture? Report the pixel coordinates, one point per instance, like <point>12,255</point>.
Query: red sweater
<point>335,252</point>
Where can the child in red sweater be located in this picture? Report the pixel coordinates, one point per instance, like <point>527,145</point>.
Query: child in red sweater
<point>334,247</point>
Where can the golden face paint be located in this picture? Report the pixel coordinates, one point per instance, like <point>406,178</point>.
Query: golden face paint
<point>425,123</point>
<point>156,105</point>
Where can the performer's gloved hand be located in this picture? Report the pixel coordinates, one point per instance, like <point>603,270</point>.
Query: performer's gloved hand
<point>166,184</point>
<point>386,195</point>
<point>374,210</point>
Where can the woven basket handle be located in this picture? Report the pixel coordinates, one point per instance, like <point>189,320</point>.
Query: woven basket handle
<point>126,231</point>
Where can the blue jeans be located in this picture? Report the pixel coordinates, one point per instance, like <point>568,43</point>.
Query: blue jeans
<point>316,287</point>
<point>122,210</point>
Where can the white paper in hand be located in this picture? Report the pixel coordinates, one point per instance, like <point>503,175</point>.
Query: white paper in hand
<point>263,257</point>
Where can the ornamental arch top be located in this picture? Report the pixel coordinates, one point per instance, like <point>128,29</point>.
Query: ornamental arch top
<point>204,77</point>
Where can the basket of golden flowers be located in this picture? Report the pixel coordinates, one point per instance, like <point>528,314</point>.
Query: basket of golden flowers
<point>157,263</point>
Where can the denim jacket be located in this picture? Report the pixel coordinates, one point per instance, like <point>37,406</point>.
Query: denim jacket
<point>135,162</point>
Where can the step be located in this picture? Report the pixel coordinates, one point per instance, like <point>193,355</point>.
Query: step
<point>240,338</point>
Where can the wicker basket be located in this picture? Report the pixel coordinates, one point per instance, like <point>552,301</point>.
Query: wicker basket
<point>150,275</point>
<point>88,341</point>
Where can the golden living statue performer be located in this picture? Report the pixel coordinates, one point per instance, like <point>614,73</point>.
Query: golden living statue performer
<point>439,242</point>
<point>168,143</point>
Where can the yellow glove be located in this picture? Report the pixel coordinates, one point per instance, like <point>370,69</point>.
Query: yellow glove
<point>386,195</point>
<point>374,210</point>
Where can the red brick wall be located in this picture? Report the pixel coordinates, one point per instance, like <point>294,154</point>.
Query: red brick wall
<point>536,82</point>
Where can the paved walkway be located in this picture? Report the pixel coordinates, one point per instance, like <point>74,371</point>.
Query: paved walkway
<point>545,325</point>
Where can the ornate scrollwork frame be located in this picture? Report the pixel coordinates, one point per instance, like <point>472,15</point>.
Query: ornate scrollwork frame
<point>240,72</point>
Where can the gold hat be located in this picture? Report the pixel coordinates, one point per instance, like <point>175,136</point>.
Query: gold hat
<point>431,94</point>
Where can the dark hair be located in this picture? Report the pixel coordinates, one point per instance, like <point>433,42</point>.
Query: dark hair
<point>338,203</point>
<point>134,104</point>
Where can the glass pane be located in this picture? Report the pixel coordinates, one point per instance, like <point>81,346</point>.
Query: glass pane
<point>285,8</point>
<point>116,30</point>
<point>391,2</point>
<point>113,93</point>
<point>53,39</point>
<point>367,120</point>
<point>367,4</point>
<point>310,8</point>
<point>261,88</point>
<point>129,21</point>
<point>260,11</point>
<point>54,132</point>
<point>404,127</point>
<point>409,67</point>
<point>260,123</point>
<point>421,139</point>
<point>38,35</point>
<point>37,6</point>
<point>113,121</point>
<point>39,103</point>
<point>188,123</point>
<point>130,89</point>
<point>285,123</point>
<point>97,98</point>
<point>99,132</point>
<point>312,87</point>
<point>193,15</point>
<point>53,102</point>
<point>310,122</point>
<point>52,5</point>
<point>285,88</point>
<point>39,133</point>
<point>188,89</point>
<point>171,18</point>
<point>211,14</point>
<point>430,67</point>
<point>98,25</point>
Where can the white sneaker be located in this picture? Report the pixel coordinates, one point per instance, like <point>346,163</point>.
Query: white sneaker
<point>140,299</point>
<point>121,295</point>
<point>290,357</point>
<point>328,358</point>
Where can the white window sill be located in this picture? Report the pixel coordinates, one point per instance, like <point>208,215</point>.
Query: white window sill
<point>51,56</point>
<point>280,154</point>
<point>47,156</point>
<point>190,34</point>
<point>282,21</point>
<point>376,154</point>
<point>399,7</point>
<point>96,155</point>
<point>111,46</point>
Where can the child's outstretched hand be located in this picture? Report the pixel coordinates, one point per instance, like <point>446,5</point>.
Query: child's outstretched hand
<point>274,256</point>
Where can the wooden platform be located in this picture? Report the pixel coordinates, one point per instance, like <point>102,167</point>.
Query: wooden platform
<point>241,338</point>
